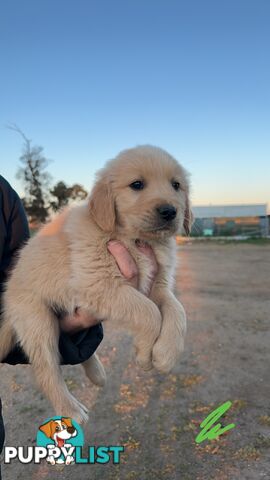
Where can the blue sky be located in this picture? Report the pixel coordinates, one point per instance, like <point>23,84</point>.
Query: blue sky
<point>87,78</point>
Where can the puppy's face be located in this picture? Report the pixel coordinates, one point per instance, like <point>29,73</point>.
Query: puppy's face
<point>144,192</point>
<point>59,430</point>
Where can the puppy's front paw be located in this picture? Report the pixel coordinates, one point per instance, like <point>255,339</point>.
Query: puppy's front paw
<point>144,362</point>
<point>170,343</point>
<point>166,355</point>
<point>69,460</point>
<point>145,341</point>
<point>79,415</point>
<point>75,410</point>
<point>95,371</point>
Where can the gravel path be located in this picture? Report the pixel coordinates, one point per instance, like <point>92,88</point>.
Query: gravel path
<point>225,290</point>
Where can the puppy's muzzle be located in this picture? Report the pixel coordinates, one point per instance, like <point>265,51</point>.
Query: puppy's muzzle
<point>167,212</point>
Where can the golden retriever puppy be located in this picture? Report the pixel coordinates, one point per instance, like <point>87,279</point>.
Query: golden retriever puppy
<point>140,196</point>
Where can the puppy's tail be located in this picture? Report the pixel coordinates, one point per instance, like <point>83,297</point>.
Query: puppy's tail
<point>95,371</point>
<point>7,339</point>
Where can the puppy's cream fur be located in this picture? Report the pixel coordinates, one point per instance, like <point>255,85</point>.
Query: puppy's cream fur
<point>67,264</point>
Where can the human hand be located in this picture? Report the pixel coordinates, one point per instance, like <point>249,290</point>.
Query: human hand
<point>127,265</point>
<point>81,318</point>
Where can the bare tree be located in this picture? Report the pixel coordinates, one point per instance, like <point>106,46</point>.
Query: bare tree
<point>77,192</point>
<point>63,194</point>
<point>35,178</point>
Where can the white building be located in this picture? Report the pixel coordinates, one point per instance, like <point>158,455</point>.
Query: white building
<point>231,220</point>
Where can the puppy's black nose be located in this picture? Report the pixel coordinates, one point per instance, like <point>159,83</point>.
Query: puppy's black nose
<point>167,212</point>
<point>70,429</point>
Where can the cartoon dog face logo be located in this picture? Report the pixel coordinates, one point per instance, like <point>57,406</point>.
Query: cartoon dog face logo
<point>59,431</point>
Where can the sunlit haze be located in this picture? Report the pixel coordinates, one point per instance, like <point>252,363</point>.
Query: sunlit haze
<point>86,79</point>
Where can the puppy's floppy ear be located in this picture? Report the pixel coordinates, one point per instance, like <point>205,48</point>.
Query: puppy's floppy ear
<point>188,217</point>
<point>67,421</point>
<point>102,205</point>
<point>46,428</point>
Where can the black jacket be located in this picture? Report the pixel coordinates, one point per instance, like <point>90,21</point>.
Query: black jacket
<point>14,232</point>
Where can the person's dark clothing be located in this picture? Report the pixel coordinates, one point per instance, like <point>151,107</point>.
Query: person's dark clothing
<point>14,232</point>
<point>2,432</point>
<point>14,229</point>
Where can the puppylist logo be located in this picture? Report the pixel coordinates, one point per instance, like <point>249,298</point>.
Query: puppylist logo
<point>60,441</point>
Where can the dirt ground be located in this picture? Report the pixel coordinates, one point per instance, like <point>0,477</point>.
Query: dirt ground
<point>225,290</point>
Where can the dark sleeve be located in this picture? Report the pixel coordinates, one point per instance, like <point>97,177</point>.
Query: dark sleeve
<point>14,232</point>
<point>73,349</point>
<point>2,432</point>
<point>79,347</point>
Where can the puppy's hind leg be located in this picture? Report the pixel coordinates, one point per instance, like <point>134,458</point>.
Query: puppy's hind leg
<point>39,339</point>
<point>95,371</point>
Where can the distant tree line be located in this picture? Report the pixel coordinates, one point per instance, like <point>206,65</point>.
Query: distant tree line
<point>40,198</point>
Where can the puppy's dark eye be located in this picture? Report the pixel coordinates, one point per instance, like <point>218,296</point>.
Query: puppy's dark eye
<point>57,429</point>
<point>137,185</point>
<point>176,185</point>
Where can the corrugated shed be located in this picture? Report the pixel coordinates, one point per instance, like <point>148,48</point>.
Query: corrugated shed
<point>230,211</point>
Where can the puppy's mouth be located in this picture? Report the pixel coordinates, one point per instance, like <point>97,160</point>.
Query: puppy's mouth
<point>168,227</point>
<point>60,442</point>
